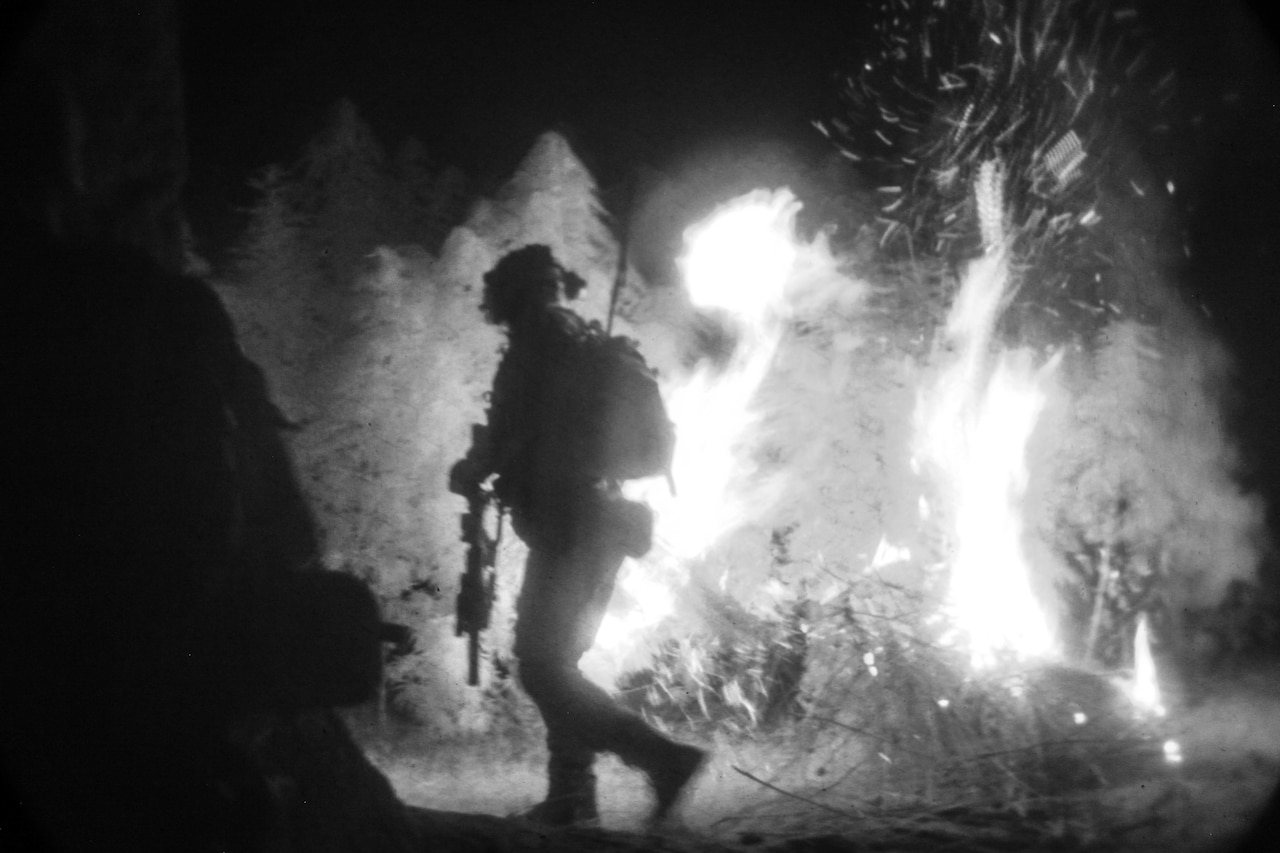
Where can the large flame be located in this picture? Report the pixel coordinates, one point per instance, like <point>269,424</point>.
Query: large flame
<point>737,263</point>
<point>973,426</point>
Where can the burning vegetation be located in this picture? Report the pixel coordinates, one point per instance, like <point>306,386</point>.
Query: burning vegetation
<point>955,528</point>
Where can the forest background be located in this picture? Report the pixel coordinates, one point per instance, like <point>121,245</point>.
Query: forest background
<point>356,284</point>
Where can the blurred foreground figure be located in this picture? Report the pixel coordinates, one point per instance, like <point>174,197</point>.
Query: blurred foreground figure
<point>167,605</point>
<point>572,414</point>
<point>170,649</point>
<point>168,644</point>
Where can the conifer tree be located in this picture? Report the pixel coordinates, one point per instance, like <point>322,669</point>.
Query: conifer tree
<point>271,285</point>
<point>270,247</point>
<point>432,199</point>
<point>344,189</point>
<point>1148,485</point>
<point>553,199</point>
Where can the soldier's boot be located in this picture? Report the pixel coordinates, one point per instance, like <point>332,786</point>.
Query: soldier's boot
<point>669,765</point>
<point>571,797</point>
<point>669,774</point>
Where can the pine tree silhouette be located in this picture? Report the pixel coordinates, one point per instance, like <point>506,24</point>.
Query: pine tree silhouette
<point>343,187</point>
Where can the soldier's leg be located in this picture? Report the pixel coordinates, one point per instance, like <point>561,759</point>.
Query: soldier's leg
<point>583,719</point>
<point>603,723</point>
<point>561,606</point>
<point>571,781</point>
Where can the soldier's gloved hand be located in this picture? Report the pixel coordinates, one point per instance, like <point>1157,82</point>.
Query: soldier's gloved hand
<point>463,478</point>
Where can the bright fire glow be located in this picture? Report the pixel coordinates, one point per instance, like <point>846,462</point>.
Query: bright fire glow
<point>740,259</point>
<point>972,429</point>
<point>647,597</point>
<point>1146,686</point>
<point>887,554</point>
<point>737,263</point>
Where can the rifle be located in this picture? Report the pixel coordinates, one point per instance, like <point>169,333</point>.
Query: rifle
<point>475,595</point>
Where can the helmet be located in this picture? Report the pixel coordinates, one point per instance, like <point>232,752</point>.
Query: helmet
<point>529,276</point>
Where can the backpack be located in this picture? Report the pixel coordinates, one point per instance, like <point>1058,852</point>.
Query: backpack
<point>605,418</point>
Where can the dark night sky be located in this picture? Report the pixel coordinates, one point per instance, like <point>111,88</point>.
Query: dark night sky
<point>639,83</point>
<point>477,82</point>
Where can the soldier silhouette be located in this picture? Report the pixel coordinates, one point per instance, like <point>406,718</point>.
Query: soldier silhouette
<point>560,439</point>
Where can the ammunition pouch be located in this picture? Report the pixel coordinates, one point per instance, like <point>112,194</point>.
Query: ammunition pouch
<point>630,524</point>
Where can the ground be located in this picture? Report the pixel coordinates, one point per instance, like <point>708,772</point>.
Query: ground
<point>1230,741</point>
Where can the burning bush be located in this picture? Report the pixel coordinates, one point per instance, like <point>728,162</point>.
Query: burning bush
<point>742,679</point>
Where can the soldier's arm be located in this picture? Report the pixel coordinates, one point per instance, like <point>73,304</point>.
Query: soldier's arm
<point>470,471</point>
<point>489,441</point>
